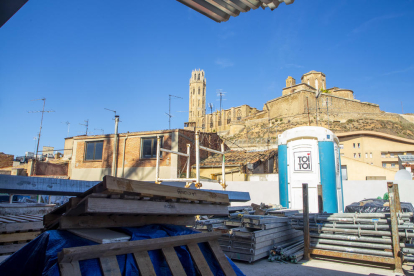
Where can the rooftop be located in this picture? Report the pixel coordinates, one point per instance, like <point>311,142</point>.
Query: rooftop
<point>236,158</point>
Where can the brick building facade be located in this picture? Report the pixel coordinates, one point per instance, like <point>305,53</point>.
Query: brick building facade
<point>6,160</point>
<point>92,156</point>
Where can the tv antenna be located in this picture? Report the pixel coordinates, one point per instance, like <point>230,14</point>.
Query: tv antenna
<point>100,130</point>
<point>68,124</point>
<point>169,110</point>
<point>210,105</point>
<point>86,125</point>
<point>43,111</point>
<point>220,94</point>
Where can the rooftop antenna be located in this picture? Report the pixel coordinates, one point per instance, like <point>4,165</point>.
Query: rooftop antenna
<point>100,130</point>
<point>210,105</point>
<point>68,124</point>
<point>87,126</point>
<point>169,109</point>
<point>41,123</point>
<point>115,152</point>
<point>220,94</point>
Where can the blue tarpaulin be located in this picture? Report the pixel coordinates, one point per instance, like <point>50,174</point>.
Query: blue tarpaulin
<point>39,257</point>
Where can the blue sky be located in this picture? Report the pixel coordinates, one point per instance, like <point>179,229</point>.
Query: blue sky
<point>84,56</point>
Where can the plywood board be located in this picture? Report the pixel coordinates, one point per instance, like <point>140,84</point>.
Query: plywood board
<point>69,222</point>
<point>101,235</point>
<point>120,206</point>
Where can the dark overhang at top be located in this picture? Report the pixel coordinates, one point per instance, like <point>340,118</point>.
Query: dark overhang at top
<point>8,8</point>
<point>221,10</point>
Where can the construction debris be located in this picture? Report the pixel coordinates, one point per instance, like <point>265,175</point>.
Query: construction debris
<point>117,202</point>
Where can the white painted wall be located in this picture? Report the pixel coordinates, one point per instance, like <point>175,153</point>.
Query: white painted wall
<point>354,191</point>
<point>264,177</point>
<point>260,191</point>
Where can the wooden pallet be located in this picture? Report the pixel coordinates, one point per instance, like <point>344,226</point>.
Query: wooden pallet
<point>69,258</point>
<point>115,198</point>
<point>16,231</point>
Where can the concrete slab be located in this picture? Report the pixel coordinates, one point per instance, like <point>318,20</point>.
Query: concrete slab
<point>317,267</point>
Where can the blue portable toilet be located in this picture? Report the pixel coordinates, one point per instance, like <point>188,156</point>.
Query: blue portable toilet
<point>310,155</point>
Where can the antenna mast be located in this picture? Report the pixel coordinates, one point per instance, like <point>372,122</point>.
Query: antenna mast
<point>87,126</point>
<point>169,110</point>
<point>41,124</point>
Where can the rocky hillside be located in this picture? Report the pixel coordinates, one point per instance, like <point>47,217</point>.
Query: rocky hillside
<point>259,133</point>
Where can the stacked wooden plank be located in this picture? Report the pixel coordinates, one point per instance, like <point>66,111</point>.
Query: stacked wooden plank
<point>106,254</point>
<point>117,202</point>
<point>257,236</point>
<point>17,231</point>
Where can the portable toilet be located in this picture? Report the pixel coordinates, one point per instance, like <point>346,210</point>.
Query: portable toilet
<point>310,155</point>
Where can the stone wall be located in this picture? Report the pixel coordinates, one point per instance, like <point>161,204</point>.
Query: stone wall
<point>6,160</point>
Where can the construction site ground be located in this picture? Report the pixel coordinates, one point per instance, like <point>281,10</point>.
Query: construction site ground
<point>318,267</point>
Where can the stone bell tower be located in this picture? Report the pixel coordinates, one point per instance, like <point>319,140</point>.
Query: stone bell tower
<point>197,104</point>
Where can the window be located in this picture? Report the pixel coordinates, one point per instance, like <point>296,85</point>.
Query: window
<point>342,154</point>
<point>384,165</point>
<point>359,155</point>
<point>203,124</point>
<point>370,155</point>
<point>239,115</point>
<point>393,165</point>
<point>359,145</point>
<point>392,155</point>
<point>366,155</point>
<point>316,84</point>
<point>199,91</point>
<point>341,146</point>
<point>193,91</point>
<point>354,155</point>
<point>354,145</point>
<point>94,151</point>
<point>382,154</point>
<point>198,76</point>
<point>149,147</point>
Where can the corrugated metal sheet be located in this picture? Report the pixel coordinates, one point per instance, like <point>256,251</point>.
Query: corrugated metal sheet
<point>221,10</point>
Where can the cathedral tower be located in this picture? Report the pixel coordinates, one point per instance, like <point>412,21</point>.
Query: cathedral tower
<point>197,104</point>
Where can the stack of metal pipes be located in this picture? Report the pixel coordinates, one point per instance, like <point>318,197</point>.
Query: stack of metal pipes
<point>289,251</point>
<point>362,233</point>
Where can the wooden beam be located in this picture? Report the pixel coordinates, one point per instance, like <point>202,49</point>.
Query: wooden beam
<point>68,255</point>
<point>115,185</point>
<point>129,207</point>
<point>352,256</point>
<point>144,263</point>
<point>11,248</point>
<point>221,258</point>
<point>68,222</point>
<point>19,236</point>
<point>109,266</point>
<point>173,262</point>
<point>21,226</point>
<point>199,259</point>
<point>70,269</point>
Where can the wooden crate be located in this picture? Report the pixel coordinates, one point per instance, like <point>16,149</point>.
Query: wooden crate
<point>69,258</point>
<point>17,231</point>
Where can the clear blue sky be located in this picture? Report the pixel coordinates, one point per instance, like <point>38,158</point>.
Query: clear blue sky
<point>128,56</point>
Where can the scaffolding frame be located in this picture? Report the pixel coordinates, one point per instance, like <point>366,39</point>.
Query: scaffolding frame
<point>189,180</point>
